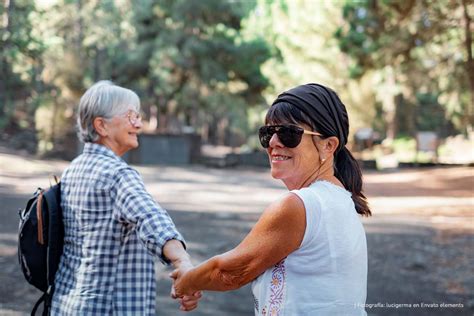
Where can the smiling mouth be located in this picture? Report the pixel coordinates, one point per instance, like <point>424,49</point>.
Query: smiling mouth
<point>280,158</point>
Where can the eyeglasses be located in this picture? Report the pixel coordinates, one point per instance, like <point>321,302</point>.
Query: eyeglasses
<point>289,135</point>
<point>133,117</point>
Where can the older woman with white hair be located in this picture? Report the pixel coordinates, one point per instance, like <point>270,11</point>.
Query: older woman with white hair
<point>113,227</point>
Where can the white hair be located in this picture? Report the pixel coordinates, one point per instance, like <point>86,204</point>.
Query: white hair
<point>103,99</point>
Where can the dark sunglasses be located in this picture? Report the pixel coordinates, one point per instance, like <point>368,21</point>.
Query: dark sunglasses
<point>289,135</point>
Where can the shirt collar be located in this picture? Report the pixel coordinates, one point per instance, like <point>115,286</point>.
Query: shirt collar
<point>93,148</point>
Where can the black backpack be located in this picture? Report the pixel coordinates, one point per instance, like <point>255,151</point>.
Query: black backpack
<point>40,242</point>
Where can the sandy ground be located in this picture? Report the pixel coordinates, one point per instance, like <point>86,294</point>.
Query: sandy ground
<point>420,239</point>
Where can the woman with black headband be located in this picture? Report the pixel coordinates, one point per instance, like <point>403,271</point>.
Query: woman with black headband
<point>307,254</point>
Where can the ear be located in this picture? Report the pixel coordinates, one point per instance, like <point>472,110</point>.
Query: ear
<point>100,126</point>
<point>329,145</point>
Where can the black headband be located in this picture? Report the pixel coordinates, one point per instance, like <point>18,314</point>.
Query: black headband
<point>322,106</point>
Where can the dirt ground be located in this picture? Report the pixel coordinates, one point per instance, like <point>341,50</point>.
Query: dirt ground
<point>420,239</point>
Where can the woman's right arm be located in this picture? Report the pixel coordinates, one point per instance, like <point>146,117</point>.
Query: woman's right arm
<point>134,205</point>
<point>154,227</point>
<point>278,232</point>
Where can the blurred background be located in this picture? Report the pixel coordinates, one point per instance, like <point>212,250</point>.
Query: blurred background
<point>206,71</point>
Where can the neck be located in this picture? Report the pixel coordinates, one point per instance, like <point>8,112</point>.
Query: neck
<point>324,171</point>
<point>110,145</point>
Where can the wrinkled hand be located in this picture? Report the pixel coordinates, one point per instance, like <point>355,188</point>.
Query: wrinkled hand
<point>187,302</point>
<point>190,301</point>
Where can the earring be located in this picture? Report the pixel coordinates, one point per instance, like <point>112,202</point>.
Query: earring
<point>323,160</point>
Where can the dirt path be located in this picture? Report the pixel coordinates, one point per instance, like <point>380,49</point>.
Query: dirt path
<point>420,239</point>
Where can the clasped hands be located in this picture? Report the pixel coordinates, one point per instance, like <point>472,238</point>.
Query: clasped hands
<point>188,298</point>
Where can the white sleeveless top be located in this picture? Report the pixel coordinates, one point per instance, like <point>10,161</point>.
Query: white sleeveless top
<point>327,274</point>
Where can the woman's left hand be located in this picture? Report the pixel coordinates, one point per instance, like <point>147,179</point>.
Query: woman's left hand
<point>180,288</point>
<point>188,297</point>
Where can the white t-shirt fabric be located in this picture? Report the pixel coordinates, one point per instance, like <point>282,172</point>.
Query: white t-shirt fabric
<point>327,274</point>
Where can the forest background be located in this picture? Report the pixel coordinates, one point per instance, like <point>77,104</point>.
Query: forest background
<point>212,67</point>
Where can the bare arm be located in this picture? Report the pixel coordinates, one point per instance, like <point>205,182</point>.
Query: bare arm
<point>174,251</point>
<point>278,232</point>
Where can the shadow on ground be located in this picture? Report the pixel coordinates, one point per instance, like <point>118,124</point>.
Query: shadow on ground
<point>407,265</point>
<point>411,261</point>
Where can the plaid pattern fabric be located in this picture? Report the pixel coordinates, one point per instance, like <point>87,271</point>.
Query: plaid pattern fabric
<point>113,229</point>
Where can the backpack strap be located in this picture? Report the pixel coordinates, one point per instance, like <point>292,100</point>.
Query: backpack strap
<point>37,304</point>
<point>46,300</point>
<point>39,216</point>
<point>55,231</point>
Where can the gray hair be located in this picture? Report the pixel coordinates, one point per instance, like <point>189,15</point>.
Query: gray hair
<point>103,99</point>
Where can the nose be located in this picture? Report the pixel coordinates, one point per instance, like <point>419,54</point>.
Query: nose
<point>275,141</point>
<point>138,124</point>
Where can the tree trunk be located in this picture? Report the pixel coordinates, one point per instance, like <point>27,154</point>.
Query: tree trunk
<point>469,62</point>
<point>55,121</point>
<point>97,61</point>
<point>205,133</point>
<point>4,69</point>
<point>162,114</point>
<point>79,28</point>
<point>36,91</point>
<point>389,105</point>
<point>221,130</point>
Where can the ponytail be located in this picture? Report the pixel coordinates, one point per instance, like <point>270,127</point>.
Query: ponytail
<point>347,170</point>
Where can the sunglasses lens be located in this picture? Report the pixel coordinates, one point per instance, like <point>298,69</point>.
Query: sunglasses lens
<point>290,136</point>
<point>265,133</point>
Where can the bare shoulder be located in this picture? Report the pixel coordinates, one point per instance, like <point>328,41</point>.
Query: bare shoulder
<point>288,203</point>
<point>278,232</point>
<point>287,211</point>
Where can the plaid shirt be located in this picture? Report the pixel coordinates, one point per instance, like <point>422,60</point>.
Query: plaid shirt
<point>113,228</point>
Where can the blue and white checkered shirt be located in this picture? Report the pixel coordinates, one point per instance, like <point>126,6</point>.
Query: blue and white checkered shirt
<point>113,229</point>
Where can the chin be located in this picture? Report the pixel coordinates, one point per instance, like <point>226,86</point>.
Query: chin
<point>276,174</point>
<point>134,145</point>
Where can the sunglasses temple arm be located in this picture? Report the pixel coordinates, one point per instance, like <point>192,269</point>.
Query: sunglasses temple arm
<point>312,133</point>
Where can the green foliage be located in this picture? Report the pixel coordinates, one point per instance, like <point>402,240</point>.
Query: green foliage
<point>404,144</point>
<point>214,65</point>
<point>430,114</point>
<point>299,36</point>
<point>20,55</point>
<point>180,56</point>
<point>184,48</point>
<point>423,42</point>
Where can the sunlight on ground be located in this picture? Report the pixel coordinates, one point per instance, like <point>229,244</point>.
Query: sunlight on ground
<point>402,204</point>
<point>17,165</point>
<point>201,189</point>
